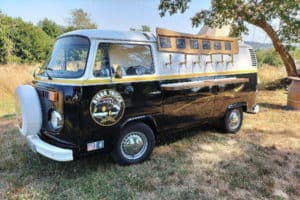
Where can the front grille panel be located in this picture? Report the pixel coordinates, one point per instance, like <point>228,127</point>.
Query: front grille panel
<point>46,105</point>
<point>43,93</point>
<point>253,57</point>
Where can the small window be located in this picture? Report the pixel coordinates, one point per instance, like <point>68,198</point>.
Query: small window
<point>217,45</point>
<point>206,44</point>
<point>165,42</point>
<point>227,46</point>
<point>180,43</point>
<point>194,44</point>
<point>133,59</point>
<point>101,65</point>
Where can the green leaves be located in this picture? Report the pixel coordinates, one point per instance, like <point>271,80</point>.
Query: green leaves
<point>52,29</point>
<point>261,13</point>
<point>239,12</point>
<point>81,20</point>
<point>173,6</point>
<point>22,42</point>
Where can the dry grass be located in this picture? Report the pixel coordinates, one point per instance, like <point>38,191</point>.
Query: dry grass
<point>10,77</point>
<point>267,73</point>
<point>261,162</point>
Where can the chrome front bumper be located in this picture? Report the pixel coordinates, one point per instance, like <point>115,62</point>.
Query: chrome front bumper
<point>254,109</point>
<point>48,150</point>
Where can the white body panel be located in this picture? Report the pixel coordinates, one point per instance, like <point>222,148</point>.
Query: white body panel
<point>241,61</point>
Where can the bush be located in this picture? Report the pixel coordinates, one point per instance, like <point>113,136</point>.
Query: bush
<point>269,57</point>
<point>5,47</point>
<point>52,29</point>
<point>22,42</point>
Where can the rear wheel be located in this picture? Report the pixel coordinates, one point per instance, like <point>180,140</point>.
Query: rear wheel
<point>134,145</point>
<point>233,120</point>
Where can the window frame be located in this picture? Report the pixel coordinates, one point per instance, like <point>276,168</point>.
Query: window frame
<point>109,60</point>
<point>98,43</point>
<point>170,42</point>
<point>194,40</point>
<point>184,40</point>
<point>209,42</point>
<point>220,43</point>
<point>227,42</point>
<point>83,74</point>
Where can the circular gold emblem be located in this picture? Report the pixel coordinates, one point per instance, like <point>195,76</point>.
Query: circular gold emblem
<point>107,107</point>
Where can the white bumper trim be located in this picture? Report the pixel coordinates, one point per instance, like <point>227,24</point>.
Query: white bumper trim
<point>254,109</point>
<point>48,150</point>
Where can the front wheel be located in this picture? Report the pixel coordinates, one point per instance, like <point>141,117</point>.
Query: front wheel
<point>233,120</point>
<point>134,145</point>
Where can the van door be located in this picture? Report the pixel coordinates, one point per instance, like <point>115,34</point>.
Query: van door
<point>137,86</point>
<point>184,107</point>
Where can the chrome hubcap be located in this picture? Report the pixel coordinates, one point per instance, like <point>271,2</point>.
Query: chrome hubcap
<point>234,119</point>
<point>134,145</point>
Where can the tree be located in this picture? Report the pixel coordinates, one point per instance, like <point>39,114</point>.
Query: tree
<point>80,20</point>
<point>50,28</point>
<point>22,42</point>
<point>143,28</point>
<point>260,13</point>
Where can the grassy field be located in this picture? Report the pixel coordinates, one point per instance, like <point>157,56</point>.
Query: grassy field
<point>10,77</point>
<point>261,162</point>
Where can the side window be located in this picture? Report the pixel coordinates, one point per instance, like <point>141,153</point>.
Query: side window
<point>101,65</point>
<point>217,45</point>
<point>194,44</point>
<point>133,59</point>
<point>165,42</point>
<point>206,44</point>
<point>227,46</point>
<point>180,43</point>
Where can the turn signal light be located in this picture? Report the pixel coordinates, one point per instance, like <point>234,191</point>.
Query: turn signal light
<point>53,96</point>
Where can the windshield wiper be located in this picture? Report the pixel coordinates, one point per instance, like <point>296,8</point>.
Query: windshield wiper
<point>48,75</point>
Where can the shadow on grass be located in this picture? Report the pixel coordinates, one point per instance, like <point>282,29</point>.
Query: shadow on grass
<point>273,106</point>
<point>35,165</point>
<point>168,138</point>
<point>277,84</point>
<point>98,177</point>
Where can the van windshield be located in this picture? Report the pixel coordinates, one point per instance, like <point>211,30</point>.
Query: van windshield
<point>68,58</point>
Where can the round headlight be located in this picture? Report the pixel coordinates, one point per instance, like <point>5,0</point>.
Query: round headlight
<point>56,120</point>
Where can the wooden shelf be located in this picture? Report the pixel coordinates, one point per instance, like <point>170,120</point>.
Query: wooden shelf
<point>172,37</point>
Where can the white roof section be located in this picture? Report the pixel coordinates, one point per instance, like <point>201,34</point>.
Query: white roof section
<point>114,35</point>
<point>224,31</point>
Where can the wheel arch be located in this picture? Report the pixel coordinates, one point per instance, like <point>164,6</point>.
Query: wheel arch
<point>148,120</point>
<point>242,105</point>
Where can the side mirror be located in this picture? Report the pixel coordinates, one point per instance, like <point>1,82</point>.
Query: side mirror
<point>118,71</point>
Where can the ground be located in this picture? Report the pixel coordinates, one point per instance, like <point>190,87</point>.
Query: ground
<point>262,161</point>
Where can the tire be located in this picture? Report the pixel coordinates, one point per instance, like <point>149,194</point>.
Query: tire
<point>125,153</point>
<point>28,110</point>
<point>233,120</point>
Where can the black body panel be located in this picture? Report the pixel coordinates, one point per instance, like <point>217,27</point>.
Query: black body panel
<point>166,110</point>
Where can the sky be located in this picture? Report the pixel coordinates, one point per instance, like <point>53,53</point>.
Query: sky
<point>114,14</point>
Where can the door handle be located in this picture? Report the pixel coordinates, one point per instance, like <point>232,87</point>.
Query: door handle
<point>155,92</point>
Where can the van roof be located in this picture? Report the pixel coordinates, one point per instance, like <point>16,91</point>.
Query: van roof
<point>114,35</point>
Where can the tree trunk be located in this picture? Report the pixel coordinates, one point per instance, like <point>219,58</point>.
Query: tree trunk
<point>287,59</point>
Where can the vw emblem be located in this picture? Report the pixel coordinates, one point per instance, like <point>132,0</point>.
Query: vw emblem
<point>107,107</point>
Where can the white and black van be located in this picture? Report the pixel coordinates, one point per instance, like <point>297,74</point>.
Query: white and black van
<point>114,91</point>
